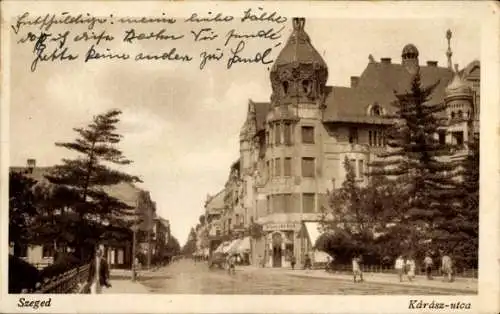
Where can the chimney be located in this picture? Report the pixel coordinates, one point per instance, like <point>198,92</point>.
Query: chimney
<point>354,81</point>
<point>385,60</point>
<point>432,63</point>
<point>31,165</point>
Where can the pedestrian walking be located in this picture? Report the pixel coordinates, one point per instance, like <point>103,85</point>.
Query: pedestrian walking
<point>293,261</point>
<point>98,273</point>
<point>410,264</point>
<point>447,268</point>
<point>428,266</point>
<point>231,264</point>
<point>356,268</point>
<point>399,266</point>
<point>307,262</point>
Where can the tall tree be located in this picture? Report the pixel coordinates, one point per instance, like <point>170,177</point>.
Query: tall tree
<point>461,229</point>
<point>345,204</point>
<point>190,245</point>
<point>88,174</point>
<point>173,247</point>
<point>22,208</point>
<point>419,162</point>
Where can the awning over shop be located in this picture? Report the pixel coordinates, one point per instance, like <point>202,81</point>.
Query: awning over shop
<point>313,232</point>
<point>244,246</point>
<point>233,246</point>
<point>222,247</point>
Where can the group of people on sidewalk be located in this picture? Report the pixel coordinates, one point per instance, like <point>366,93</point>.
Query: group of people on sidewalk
<point>406,266</point>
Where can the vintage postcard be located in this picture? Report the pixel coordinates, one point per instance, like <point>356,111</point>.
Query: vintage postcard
<point>241,157</point>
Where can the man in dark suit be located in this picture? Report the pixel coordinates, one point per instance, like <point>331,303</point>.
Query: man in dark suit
<point>98,273</point>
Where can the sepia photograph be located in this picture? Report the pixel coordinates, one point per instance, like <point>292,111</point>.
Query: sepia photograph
<point>244,151</point>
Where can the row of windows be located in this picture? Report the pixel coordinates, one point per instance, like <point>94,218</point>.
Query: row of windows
<point>276,168</point>
<point>282,134</point>
<point>460,114</point>
<point>289,203</point>
<point>375,138</point>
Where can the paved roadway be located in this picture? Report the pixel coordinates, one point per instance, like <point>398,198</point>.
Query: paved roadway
<point>188,277</point>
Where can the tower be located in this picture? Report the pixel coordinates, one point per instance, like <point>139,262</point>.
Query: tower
<point>410,58</point>
<point>294,154</point>
<point>299,73</point>
<point>459,108</point>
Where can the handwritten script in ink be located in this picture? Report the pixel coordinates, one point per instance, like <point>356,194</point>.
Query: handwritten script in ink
<point>253,37</point>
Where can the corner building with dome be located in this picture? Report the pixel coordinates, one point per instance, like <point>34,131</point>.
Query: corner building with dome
<point>292,148</point>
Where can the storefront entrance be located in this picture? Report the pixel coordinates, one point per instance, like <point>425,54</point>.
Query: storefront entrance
<point>277,251</point>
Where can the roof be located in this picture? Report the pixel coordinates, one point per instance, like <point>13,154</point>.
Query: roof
<point>298,48</point>
<point>378,84</point>
<point>125,192</point>
<point>216,203</point>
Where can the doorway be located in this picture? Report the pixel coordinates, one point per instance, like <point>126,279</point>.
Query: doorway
<point>277,251</point>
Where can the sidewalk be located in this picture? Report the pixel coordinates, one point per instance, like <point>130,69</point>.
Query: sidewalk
<point>122,286</point>
<point>467,285</point>
<point>127,273</point>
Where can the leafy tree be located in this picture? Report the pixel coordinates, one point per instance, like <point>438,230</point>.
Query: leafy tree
<point>22,208</point>
<point>190,246</point>
<point>86,175</point>
<point>419,163</point>
<point>346,205</point>
<point>173,247</point>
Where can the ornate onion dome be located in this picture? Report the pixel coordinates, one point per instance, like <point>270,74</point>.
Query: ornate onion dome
<point>458,86</point>
<point>299,71</point>
<point>410,50</point>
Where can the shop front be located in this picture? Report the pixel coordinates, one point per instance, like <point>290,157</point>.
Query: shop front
<point>280,243</point>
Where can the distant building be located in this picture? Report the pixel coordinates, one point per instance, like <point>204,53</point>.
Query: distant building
<point>292,148</point>
<point>214,211</point>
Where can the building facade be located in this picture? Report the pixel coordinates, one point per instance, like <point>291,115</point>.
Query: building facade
<point>292,148</point>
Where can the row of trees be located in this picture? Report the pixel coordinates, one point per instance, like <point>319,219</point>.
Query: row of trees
<point>419,199</point>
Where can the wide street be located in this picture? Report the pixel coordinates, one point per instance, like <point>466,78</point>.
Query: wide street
<point>188,277</point>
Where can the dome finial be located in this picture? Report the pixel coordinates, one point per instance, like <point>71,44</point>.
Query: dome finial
<point>298,23</point>
<point>449,53</point>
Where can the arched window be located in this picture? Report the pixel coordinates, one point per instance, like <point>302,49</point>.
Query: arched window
<point>453,114</point>
<point>307,86</point>
<point>285,87</point>
<point>376,110</point>
<point>460,114</point>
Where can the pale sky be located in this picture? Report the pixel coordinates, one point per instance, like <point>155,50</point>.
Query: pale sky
<point>180,124</point>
